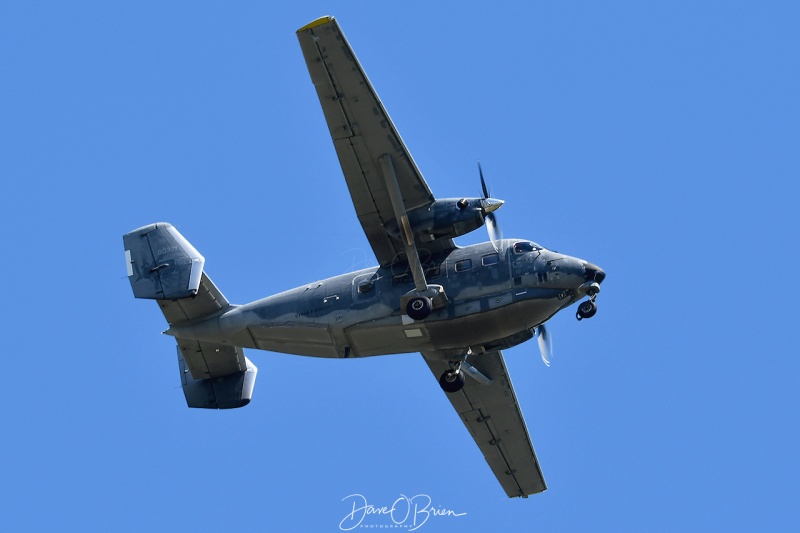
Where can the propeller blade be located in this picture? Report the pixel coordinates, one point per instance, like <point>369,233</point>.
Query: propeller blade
<point>483,182</point>
<point>545,344</point>
<point>495,233</point>
<point>490,205</point>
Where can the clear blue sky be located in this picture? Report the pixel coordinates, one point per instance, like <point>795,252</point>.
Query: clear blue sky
<point>661,142</point>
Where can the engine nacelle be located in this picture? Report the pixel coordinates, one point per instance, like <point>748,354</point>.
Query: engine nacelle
<point>447,218</point>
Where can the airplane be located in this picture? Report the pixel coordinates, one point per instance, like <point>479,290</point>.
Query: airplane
<point>457,306</point>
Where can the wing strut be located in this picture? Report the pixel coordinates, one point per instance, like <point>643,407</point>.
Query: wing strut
<point>396,197</point>
<point>413,301</point>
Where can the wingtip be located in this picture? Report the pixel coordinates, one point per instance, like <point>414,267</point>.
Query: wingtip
<point>314,23</point>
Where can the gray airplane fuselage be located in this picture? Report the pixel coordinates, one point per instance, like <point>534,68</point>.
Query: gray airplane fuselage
<point>493,302</point>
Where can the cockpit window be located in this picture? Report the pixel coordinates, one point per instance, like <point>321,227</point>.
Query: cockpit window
<point>526,246</point>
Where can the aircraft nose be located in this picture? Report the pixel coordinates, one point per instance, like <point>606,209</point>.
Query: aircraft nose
<point>594,273</point>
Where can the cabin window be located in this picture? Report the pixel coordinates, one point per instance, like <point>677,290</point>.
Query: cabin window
<point>402,278</point>
<point>433,272</point>
<point>491,259</point>
<point>464,264</point>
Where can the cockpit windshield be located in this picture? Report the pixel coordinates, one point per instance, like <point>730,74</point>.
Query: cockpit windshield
<point>525,247</point>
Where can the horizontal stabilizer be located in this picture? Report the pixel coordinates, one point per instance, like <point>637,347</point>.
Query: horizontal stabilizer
<point>161,263</point>
<point>208,301</point>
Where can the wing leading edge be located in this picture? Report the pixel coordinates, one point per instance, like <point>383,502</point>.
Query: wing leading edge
<point>362,133</point>
<point>492,415</point>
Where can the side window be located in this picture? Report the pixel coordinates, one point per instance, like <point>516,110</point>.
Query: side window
<point>365,287</point>
<point>464,264</point>
<point>491,259</point>
<point>402,279</point>
<point>433,273</point>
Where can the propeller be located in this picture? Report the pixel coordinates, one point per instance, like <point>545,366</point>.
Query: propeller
<point>490,205</point>
<point>545,344</point>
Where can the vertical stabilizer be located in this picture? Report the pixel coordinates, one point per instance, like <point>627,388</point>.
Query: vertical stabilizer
<point>161,263</point>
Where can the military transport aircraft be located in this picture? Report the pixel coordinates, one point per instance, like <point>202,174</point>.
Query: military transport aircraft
<point>458,306</point>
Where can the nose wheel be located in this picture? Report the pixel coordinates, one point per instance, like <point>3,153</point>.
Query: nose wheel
<point>588,308</point>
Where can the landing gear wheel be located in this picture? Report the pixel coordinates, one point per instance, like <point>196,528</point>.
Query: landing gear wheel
<point>452,381</point>
<point>586,310</point>
<point>419,307</point>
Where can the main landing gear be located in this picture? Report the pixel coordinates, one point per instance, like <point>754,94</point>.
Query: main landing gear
<point>452,380</point>
<point>419,307</point>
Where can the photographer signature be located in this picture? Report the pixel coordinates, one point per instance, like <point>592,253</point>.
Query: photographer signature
<point>407,512</point>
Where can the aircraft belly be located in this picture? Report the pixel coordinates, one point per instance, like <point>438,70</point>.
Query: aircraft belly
<point>382,338</point>
<point>465,324</point>
<point>476,328</point>
<point>311,340</point>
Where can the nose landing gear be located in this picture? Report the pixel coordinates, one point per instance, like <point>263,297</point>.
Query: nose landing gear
<point>588,308</point>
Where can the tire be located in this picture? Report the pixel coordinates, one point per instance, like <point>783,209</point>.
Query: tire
<point>419,307</point>
<point>452,381</point>
<point>587,309</point>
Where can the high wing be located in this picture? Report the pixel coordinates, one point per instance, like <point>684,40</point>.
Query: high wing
<point>362,132</point>
<point>493,417</point>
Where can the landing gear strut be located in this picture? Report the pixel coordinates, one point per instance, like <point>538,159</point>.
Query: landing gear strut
<point>452,380</point>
